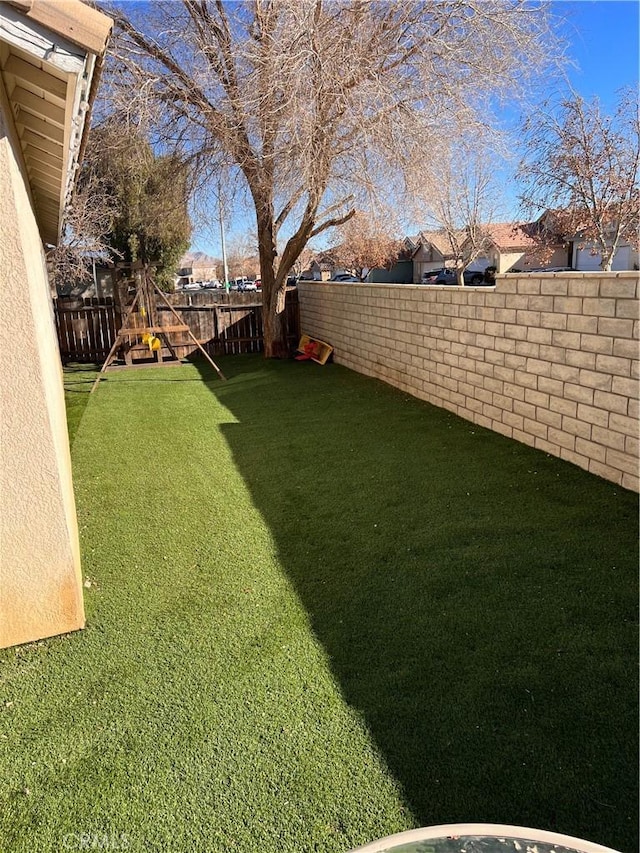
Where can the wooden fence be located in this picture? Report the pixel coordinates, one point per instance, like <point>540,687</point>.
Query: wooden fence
<point>87,328</point>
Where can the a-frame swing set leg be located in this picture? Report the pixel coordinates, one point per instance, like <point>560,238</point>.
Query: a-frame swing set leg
<point>189,332</point>
<point>116,343</point>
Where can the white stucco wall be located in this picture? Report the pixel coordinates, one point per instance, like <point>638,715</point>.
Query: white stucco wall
<point>40,580</point>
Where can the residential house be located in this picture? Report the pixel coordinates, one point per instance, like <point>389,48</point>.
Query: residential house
<point>321,268</point>
<point>586,256</point>
<point>196,266</point>
<point>431,251</point>
<point>50,60</point>
<point>510,246</point>
<point>516,247</point>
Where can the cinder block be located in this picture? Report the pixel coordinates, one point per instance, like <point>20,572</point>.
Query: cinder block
<point>613,364</point>
<point>570,340</point>
<point>550,320</point>
<point>632,446</point>
<point>575,458</point>
<point>576,358</point>
<point>554,287</point>
<point>530,350</point>
<point>551,353</point>
<point>502,428</point>
<point>595,380</point>
<point>623,424</point>
<point>631,482</point>
<point>616,327</point>
<point>622,461</point>
<point>568,305</point>
<point>578,323</point>
<point>538,335</point>
<point>605,471</point>
<point>574,426</point>
<point>628,308</point>
<point>590,449</point>
<point>540,368</point>
<point>526,379</point>
<point>515,362</point>
<point>565,407</point>
<point>619,288</point>
<point>525,409</point>
<point>541,303</point>
<point>524,437</point>
<point>611,402</point>
<point>528,318</point>
<point>592,415</point>
<point>627,387</point>
<point>608,438</point>
<point>550,386</point>
<point>515,332</point>
<point>626,348</point>
<point>553,419</point>
<point>529,285</point>
<point>562,438</point>
<point>534,427</point>
<point>583,287</point>
<point>547,447</point>
<point>536,398</point>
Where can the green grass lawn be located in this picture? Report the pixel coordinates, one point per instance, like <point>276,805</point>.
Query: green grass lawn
<point>320,612</point>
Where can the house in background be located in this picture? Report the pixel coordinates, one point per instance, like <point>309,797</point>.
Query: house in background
<point>431,251</point>
<point>196,266</point>
<point>517,247</point>
<point>585,256</point>
<point>510,246</point>
<point>50,59</point>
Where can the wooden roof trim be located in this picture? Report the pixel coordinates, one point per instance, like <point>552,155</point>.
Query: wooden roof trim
<point>71,19</point>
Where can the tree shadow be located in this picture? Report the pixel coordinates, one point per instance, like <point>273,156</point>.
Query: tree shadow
<point>476,598</point>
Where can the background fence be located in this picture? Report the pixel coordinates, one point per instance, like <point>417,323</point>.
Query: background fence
<point>224,324</point>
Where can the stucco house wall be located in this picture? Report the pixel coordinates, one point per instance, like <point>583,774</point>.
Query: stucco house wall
<point>39,554</point>
<point>50,58</point>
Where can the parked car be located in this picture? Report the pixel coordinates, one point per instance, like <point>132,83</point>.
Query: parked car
<point>343,276</point>
<point>192,285</point>
<point>448,276</point>
<point>212,285</point>
<point>545,269</point>
<point>250,285</point>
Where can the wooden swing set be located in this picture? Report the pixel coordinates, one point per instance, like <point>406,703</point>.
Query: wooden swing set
<point>142,338</point>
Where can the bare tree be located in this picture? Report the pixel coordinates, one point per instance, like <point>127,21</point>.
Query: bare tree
<point>315,102</point>
<point>461,200</point>
<point>87,223</point>
<point>582,166</point>
<point>242,256</point>
<point>366,243</point>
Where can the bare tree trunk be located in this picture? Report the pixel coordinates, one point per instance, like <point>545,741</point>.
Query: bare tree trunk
<point>273,322</point>
<point>273,293</point>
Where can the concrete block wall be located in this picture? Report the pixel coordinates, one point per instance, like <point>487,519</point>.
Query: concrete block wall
<point>549,360</point>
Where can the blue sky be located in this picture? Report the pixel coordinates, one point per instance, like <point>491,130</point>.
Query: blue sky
<point>603,38</point>
<point>604,42</point>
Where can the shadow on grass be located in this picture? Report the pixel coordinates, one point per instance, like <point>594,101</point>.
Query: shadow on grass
<point>476,599</point>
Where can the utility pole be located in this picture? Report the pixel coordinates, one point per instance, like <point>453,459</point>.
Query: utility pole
<point>222,240</point>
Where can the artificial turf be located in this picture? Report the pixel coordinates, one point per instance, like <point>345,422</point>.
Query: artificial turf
<point>319,612</point>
